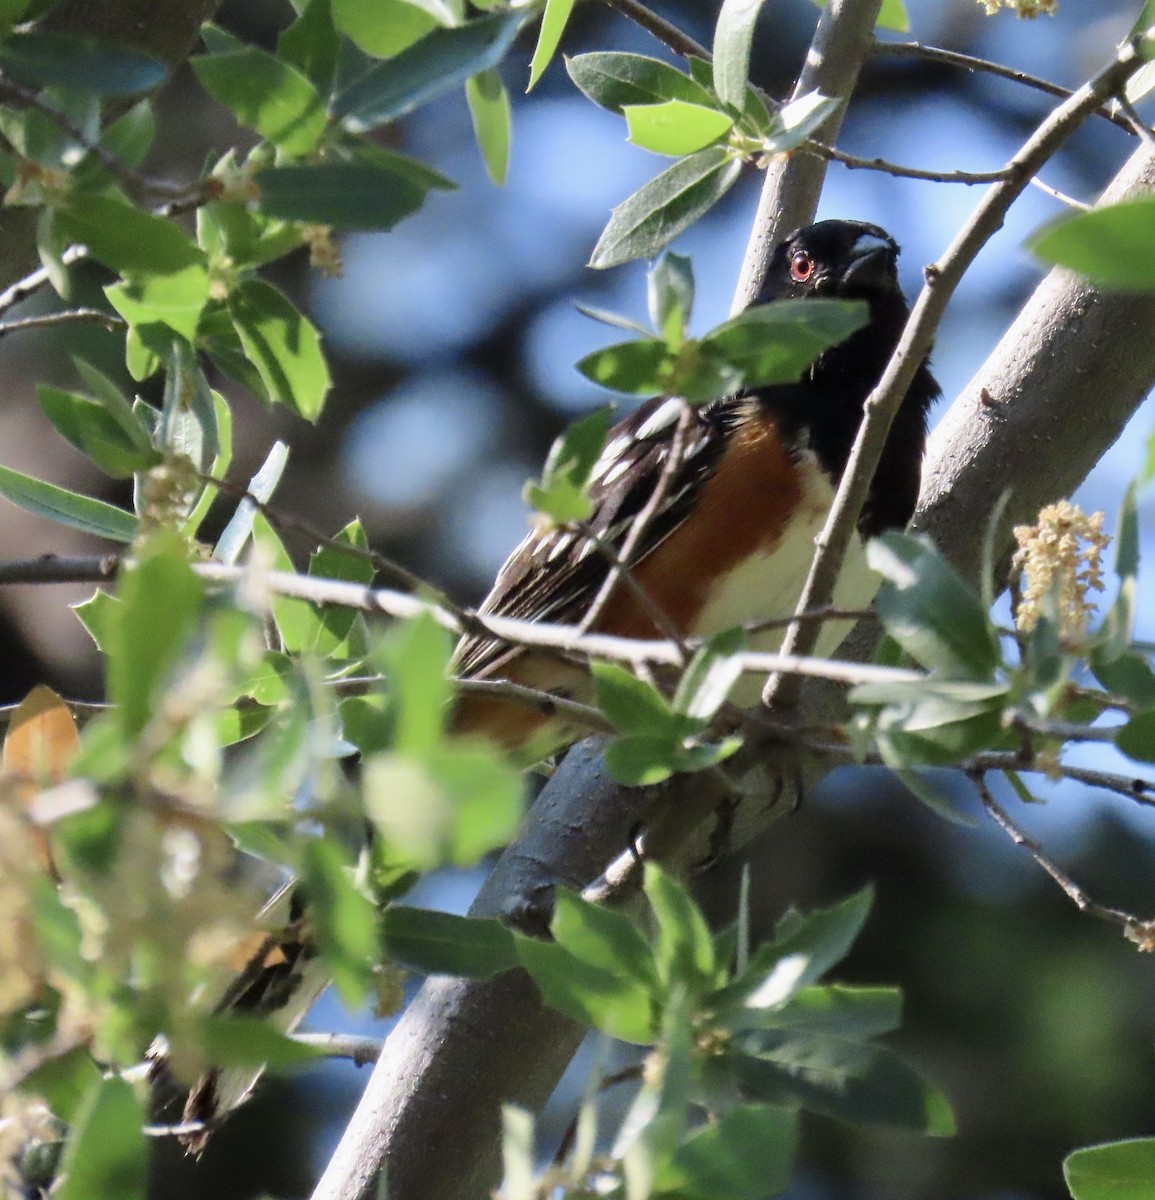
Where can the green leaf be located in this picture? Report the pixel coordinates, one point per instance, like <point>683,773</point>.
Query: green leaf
<point>853,1081</point>
<point>1112,1171</point>
<point>239,1041</point>
<point>615,1004</point>
<point>438,943</point>
<point>858,1012</point>
<point>70,60</point>
<point>131,135</point>
<point>893,15</point>
<point>358,196</point>
<point>118,444</point>
<point>1114,246</point>
<point>311,43</point>
<point>642,759</point>
<point>711,673</point>
<point>454,805</point>
<point>795,122</point>
<point>733,36</point>
<point>440,61</point>
<point>553,23</point>
<point>383,28</point>
<point>603,938</point>
<point>161,599</point>
<point>1137,738</point>
<point>126,239</point>
<point>632,704</point>
<point>282,345</point>
<point>675,127</point>
<point>334,622</point>
<point>489,111</point>
<point>775,343</point>
<point>68,508</point>
<point>928,609</point>
<point>266,94</point>
<point>638,368</point>
<point>670,203</point>
<point>746,1154</point>
<point>156,304</point>
<point>262,485</point>
<point>343,918</point>
<point>670,297</point>
<point>106,1154</point>
<point>415,656</point>
<point>803,950</point>
<point>613,80</point>
<point>1129,675</point>
<point>685,947</point>
<point>563,492</point>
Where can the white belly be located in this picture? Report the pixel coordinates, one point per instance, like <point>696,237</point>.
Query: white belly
<point>768,586</point>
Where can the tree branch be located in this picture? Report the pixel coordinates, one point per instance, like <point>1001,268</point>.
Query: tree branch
<point>842,43</point>
<point>941,280</point>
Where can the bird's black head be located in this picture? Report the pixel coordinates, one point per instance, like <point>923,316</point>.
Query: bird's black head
<point>843,259</point>
<point>850,260</point>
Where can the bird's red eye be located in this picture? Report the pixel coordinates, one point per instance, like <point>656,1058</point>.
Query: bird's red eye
<point>801,266</point>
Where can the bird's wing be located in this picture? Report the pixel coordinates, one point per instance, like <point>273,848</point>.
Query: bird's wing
<point>555,573</point>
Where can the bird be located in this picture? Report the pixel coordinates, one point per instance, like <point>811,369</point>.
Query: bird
<point>729,545</point>
<point>732,540</point>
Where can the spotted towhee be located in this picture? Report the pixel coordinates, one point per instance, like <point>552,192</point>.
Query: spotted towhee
<point>732,540</point>
<point>730,544</point>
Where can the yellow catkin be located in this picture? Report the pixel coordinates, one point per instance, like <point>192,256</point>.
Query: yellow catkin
<point>1023,8</point>
<point>1063,552</point>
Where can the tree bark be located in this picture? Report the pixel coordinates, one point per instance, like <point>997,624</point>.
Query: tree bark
<point>1053,396</point>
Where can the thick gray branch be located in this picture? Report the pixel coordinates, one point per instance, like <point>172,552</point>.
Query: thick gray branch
<point>1054,394</point>
<point>1064,381</point>
<point>792,186</point>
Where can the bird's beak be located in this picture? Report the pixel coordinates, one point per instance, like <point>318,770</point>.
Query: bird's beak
<point>871,263</point>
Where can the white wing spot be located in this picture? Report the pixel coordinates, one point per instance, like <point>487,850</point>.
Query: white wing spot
<point>661,418</point>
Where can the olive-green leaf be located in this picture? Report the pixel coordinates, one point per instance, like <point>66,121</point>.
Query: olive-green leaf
<point>68,508</point>
<point>1113,246</point>
<point>670,203</point>
<point>440,61</point>
<point>1122,1170</point>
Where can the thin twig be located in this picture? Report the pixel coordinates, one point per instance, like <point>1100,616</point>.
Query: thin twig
<point>641,522</point>
<point>285,523</point>
<point>969,63</point>
<point>360,1050</point>
<point>1067,731</point>
<point>1136,928</point>
<point>30,284</point>
<point>1062,197</point>
<point>70,316</point>
<point>662,622</point>
<point>854,163</point>
<point>116,166</point>
<point>915,343</point>
<point>1136,122</point>
<point>546,703</point>
<point>566,639</point>
<point>669,35</point>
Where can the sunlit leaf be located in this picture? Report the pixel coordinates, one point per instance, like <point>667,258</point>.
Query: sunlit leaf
<point>267,94</point>
<point>1114,246</point>
<point>72,60</point>
<point>670,203</point>
<point>440,61</point>
<point>733,36</point>
<point>489,110</point>
<point>553,23</point>
<point>438,943</point>
<point>68,508</point>
<point>1113,1171</point>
